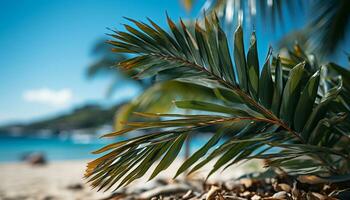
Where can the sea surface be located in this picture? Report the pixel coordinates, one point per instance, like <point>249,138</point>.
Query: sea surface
<point>76,147</point>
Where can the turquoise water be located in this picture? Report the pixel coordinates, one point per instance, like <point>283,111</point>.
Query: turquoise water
<point>12,149</point>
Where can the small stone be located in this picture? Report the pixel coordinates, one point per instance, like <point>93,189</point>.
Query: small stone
<point>246,194</point>
<point>76,186</point>
<point>247,182</point>
<point>310,179</point>
<point>280,195</point>
<point>284,187</point>
<point>212,192</point>
<point>36,159</point>
<point>268,180</point>
<point>327,188</point>
<point>255,197</point>
<point>315,196</point>
<point>273,180</point>
<point>309,196</point>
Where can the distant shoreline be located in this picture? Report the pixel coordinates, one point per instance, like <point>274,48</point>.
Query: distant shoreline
<point>60,148</point>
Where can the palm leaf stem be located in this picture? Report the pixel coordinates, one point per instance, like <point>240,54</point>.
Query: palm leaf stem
<point>273,118</point>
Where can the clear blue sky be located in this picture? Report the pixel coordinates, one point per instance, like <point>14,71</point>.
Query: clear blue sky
<point>45,48</point>
<point>46,44</point>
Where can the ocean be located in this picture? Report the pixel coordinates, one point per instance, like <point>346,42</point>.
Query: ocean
<point>76,147</point>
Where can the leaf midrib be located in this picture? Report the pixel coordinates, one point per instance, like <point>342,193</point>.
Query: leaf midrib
<point>233,87</point>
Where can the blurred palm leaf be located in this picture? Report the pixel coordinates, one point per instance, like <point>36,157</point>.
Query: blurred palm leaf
<point>277,115</point>
<point>326,28</point>
<point>236,11</point>
<point>330,24</point>
<point>159,98</point>
<point>106,59</point>
<point>104,66</point>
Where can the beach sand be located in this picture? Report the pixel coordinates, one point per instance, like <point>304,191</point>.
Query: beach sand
<point>51,181</point>
<point>55,180</point>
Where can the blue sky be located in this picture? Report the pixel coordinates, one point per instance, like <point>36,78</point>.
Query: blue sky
<point>45,48</point>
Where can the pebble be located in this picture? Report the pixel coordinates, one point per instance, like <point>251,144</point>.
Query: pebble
<point>280,195</point>
<point>246,194</point>
<point>310,179</point>
<point>284,187</point>
<point>76,186</point>
<point>326,187</point>
<point>212,192</point>
<point>315,196</point>
<point>36,159</point>
<point>185,190</point>
<point>247,182</point>
<point>255,197</point>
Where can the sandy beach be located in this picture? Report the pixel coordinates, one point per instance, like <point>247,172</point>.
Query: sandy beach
<point>51,181</point>
<point>63,180</point>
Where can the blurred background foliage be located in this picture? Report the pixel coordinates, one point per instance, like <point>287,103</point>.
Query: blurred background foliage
<point>323,34</point>
<point>326,28</point>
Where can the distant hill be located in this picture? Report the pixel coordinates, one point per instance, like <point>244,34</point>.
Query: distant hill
<point>85,117</point>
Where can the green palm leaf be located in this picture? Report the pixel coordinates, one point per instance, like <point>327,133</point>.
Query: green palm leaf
<point>241,111</point>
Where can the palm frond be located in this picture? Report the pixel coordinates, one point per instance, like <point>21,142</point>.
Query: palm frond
<point>326,27</point>
<point>330,26</point>
<point>256,116</point>
<point>270,10</point>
